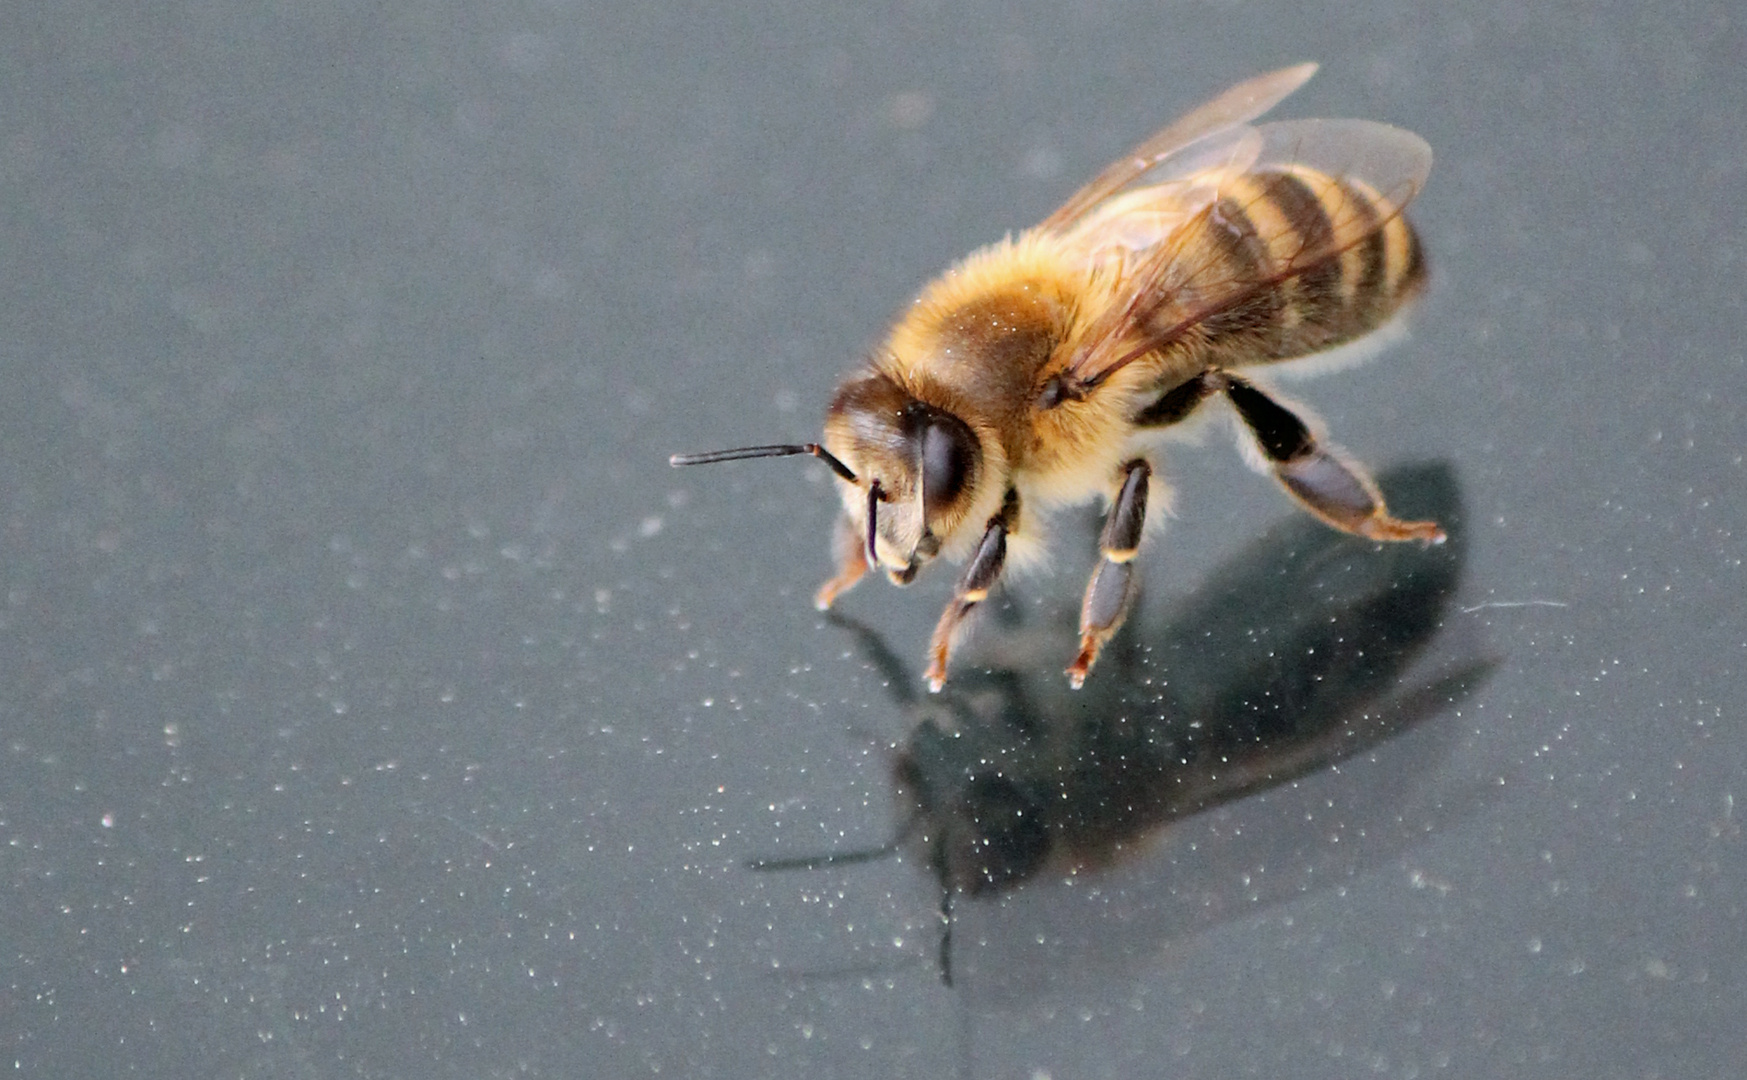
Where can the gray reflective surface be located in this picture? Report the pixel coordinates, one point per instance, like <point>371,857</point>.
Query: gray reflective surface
<point>377,702</point>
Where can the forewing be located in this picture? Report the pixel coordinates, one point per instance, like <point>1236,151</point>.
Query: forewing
<point>1362,175</point>
<point>1178,187</point>
<point>1238,105</point>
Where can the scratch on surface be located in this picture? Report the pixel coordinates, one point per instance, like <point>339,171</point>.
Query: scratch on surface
<point>476,834</point>
<point>1513,603</point>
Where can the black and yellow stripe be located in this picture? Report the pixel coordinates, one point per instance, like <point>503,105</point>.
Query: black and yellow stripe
<point>1288,262</point>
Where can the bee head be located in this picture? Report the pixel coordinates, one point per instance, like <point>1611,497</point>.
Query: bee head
<point>918,471</point>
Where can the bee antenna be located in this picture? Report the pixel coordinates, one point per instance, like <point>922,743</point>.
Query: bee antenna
<point>781,450</point>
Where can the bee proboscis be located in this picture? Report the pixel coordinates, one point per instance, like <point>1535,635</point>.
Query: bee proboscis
<point>1041,371</point>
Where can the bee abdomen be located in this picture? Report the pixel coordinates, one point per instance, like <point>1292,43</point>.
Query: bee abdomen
<point>1330,260</point>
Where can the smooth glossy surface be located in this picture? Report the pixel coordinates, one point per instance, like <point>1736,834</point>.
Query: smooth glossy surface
<point>378,702</point>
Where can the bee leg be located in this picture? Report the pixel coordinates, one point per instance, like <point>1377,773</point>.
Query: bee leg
<point>979,577</point>
<point>851,553</point>
<point>1338,491</point>
<point>1111,589</point>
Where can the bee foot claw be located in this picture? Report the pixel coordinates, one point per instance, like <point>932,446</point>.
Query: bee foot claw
<point>935,676</point>
<point>1082,666</point>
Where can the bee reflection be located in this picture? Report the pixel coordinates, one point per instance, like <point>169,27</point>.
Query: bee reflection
<point>1296,655</point>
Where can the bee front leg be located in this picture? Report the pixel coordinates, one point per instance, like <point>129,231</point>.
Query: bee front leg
<point>851,553</point>
<point>973,588</point>
<point>1338,491</point>
<point>1111,589</point>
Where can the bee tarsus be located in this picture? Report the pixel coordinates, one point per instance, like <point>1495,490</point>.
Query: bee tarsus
<point>1111,590</point>
<point>979,577</point>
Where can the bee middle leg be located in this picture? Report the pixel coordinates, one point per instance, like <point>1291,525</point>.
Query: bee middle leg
<point>973,588</point>
<point>1111,589</point>
<point>1338,491</point>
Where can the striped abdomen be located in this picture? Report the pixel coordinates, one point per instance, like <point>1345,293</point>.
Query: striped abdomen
<point>1287,262</point>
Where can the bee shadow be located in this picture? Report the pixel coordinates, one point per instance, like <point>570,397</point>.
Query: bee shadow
<point>1163,798</point>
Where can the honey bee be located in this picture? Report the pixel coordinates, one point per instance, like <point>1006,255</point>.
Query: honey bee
<point>1040,372</point>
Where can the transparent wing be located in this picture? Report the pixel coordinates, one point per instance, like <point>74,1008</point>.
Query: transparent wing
<point>1362,175</point>
<point>1141,217</point>
<point>1238,105</point>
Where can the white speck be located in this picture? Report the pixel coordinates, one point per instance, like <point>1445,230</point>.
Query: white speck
<point>1040,163</point>
<point>909,110</point>
<point>759,265</point>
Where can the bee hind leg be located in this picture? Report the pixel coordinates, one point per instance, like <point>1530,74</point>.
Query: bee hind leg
<point>851,554</point>
<point>1337,490</point>
<point>1112,587</point>
<point>973,588</point>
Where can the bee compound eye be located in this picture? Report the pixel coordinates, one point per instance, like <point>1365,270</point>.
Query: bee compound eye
<point>949,452</point>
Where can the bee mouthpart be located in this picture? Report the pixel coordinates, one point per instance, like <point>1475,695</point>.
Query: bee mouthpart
<point>874,495</point>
